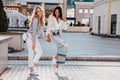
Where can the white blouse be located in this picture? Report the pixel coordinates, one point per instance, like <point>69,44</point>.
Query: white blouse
<point>36,30</point>
<point>54,25</point>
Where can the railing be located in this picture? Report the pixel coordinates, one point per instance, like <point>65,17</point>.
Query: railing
<point>18,29</point>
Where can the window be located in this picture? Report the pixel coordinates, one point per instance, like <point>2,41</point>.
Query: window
<point>85,21</point>
<point>91,11</point>
<point>86,11</point>
<point>70,13</point>
<point>80,10</point>
<point>113,23</point>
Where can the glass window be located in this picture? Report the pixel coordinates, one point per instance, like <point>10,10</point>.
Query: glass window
<point>91,11</point>
<point>80,10</point>
<point>85,21</point>
<point>70,13</point>
<point>86,11</point>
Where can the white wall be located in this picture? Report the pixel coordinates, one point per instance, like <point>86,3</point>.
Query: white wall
<point>115,9</point>
<point>100,11</point>
<point>96,1</point>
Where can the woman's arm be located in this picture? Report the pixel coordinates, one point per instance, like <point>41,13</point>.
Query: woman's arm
<point>64,25</point>
<point>49,26</point>
<point>34,27</point>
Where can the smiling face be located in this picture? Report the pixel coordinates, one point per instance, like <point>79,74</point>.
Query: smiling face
<point>57,13</point>
<point>39,12</point>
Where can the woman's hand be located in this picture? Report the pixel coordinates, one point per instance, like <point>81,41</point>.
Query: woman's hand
<point>48,38</point>
<point>33,45</point>
<point>64,19</point>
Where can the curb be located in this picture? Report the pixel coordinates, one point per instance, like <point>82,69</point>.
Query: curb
<point>91,58</point>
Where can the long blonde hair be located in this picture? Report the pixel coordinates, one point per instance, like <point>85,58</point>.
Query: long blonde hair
<point>34,15</point>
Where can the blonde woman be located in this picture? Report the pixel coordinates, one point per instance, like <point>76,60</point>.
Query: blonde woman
<point>36,29</point>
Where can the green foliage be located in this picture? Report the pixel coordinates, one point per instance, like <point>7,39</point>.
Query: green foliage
<point>3,18</point>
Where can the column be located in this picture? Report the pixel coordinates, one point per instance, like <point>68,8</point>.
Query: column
<point>10,21</point>
<point>43,6</point>
<point>64,7</point>
<point>103,23</point>
<point>109,17</point>
<point>19,22</point>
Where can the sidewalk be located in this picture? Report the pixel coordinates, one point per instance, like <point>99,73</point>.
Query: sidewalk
<point>72,70</point>
<point>88,65</point>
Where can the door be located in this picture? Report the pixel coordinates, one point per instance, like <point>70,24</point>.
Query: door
<point>113,23</point>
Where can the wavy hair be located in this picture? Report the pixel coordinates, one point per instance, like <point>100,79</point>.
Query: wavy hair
<point>34,15</point>
<point>60,11</point>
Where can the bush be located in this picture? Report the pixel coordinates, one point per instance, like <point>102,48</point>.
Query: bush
<point>82,24</point>
<point>26,23</point>
<point>71,24</point>
<point>3,19</point>
<point>79,24</point>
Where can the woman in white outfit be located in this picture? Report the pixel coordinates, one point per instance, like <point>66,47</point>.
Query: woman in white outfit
<point>56,23</point>
<point>36,30</point>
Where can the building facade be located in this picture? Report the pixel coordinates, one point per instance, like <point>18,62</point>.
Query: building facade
<point>106,18</point>
<point>84,12</point>
<point>25,7</point>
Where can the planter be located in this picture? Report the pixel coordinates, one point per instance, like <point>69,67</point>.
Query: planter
<point>4,53</point>
<point>16,42</point>
<point>78,29</point>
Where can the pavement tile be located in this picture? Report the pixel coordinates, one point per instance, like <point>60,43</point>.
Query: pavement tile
<point>72,70</point>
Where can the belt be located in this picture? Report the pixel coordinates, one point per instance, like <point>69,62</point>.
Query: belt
<point>56,33</point>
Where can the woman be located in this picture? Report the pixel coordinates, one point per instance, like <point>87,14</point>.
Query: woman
<point>55,24</point>
<point>36,29</point>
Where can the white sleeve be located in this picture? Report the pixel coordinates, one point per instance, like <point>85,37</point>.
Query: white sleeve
<point>49,25</point>
<point>64,25</point>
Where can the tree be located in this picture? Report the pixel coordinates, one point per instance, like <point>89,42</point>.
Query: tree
<point>3,18</point>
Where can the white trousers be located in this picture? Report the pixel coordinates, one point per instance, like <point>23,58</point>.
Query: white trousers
<point>62,48</point>
<point>33,55</point>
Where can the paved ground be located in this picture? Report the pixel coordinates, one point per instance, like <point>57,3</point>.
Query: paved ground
<point>81,44</point>
<point>72,70</point>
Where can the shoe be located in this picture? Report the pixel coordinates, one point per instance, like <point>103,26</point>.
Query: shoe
<point>54,61</point>
<point>34,73</point>
<point>56,71</point>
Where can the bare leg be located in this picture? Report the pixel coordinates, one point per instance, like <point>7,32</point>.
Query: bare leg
<point>56,57</point>
<point>31,68</point>
<point>57,66</point>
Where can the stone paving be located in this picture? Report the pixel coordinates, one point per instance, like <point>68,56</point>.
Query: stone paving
<point>80,44</point>
<point>72,70</point>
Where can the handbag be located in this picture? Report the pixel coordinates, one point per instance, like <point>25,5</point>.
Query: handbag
<point>24,36</point>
